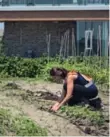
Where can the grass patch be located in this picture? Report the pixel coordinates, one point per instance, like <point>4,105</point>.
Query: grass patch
<point>18,125</point>
<point>84,113</point>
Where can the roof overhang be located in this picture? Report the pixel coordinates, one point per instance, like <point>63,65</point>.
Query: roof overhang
<point>54,15</point>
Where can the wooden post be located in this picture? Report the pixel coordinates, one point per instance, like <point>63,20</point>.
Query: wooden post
<point>61,47</point>
<point>20,36</point>
<point>68,32</point>
<point>73,43</point>
<point>48,37</point>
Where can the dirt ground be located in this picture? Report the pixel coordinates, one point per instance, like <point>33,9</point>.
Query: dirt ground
<point>34,99</point>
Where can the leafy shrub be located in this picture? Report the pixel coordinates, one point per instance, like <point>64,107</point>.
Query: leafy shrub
<point>19,67</point>
<point>40,67</point>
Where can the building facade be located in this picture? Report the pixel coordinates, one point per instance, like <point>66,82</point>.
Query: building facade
<point>55,27</point>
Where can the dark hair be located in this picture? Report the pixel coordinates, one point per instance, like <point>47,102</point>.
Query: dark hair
<point>55,71</point>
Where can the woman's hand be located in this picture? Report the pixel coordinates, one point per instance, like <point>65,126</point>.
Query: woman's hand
<point>55,107</point>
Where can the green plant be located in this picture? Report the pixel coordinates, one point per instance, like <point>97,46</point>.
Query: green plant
<point>18,125</point>
<point>79,112</point>
<point>40,67</point>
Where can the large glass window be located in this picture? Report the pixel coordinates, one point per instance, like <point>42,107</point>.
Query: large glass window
<point>94,1</point>
<point>14,2</point>
<point>105,37</point>
<point>80,36</point>
<point>52,2</point>
<point>99,38</point>
<point>43,2</point>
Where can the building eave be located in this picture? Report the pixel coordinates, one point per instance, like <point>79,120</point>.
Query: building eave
<point>55,8</point>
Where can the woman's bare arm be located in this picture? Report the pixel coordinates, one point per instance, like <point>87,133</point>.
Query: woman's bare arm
<point>62,95</point>
<point>70,87</point>
<point>60,99</point>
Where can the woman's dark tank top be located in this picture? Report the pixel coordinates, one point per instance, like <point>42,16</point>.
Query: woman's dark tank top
<point>80,80</point>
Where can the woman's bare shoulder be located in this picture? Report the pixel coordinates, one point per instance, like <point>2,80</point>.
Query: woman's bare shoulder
<point>72,75</point>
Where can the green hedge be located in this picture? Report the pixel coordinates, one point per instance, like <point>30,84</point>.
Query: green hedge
<point>39,67</point>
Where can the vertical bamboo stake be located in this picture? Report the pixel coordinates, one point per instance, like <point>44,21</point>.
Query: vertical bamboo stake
<point>72,46</point>
<point>100,39</point>
<point>73,43</point>
<point>86,38</point>
<point>65,45</point>
<point>20,36</point>
<point>109,50</point>
<point>61,47</point>
<point>68,32</point>
<point>100,46</point>
<point>91,42</point>
<point>49,47</point>
<point>48,37</point>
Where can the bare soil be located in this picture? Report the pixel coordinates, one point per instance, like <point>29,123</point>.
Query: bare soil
<point>34,100</point>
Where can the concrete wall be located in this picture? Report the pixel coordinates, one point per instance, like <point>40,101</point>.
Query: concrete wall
<point>20,37</point>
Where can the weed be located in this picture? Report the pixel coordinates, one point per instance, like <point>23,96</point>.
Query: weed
<point>18,125</point>
<point>79,112</point>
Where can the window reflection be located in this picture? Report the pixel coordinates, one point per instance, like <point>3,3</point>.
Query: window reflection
<point>99,39</point>
<point>52,2</point>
